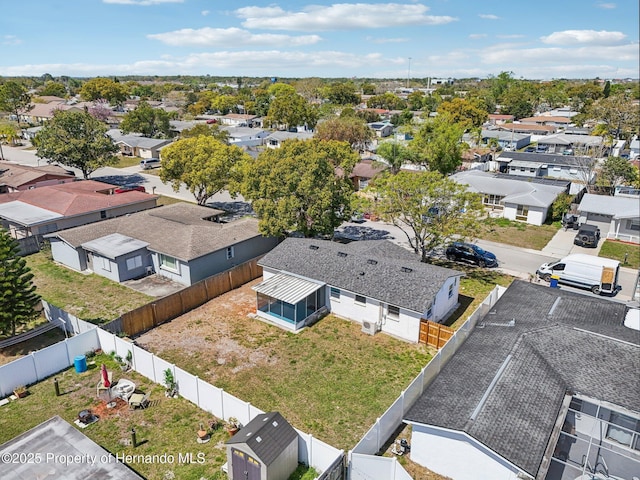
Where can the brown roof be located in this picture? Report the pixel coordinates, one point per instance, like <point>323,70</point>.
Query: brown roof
<point>239,116</point>
<point>546,119</point>
<point>179,230</point>
<point>15,176</point>
<point>46,110</point>
<point>497,116</point>
<point>76,198</point>
<point>528,127</point>
<point>367,169</point>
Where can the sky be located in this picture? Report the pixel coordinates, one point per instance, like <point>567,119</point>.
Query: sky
<point>542,39</point>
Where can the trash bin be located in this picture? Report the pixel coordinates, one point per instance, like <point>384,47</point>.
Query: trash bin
<point>553,283</point>
<point>80,362</point>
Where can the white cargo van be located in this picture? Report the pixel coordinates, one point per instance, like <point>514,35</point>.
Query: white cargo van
<point>147,163</point>
<point>600,275</point>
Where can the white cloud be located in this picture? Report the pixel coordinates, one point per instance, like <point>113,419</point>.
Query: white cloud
<point>515,35</point>
<point>489,16</point>
<point>475,36</point>
<point>143,3</point>
<point>341,16</point>
<point>380,41</point>
<point>213,37</point>
<point>498,54</point>
<point>10,40</point>
<point>204,13</point>
<point>607,6</point>
<point>577,37</point>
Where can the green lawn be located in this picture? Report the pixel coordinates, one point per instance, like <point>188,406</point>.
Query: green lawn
<point>618,251</point>
<point>520,234</point>
<point>90,297</point>
<point>126,161</point>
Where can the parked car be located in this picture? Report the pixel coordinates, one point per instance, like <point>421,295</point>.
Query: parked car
<point>469,252</point>
<point>542,148</point>
<point>148,163</point>
<point>530,150</point>
<point>587,236</point>
<point>570,220</point>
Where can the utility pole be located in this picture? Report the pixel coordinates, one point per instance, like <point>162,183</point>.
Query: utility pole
<point>409,72</point>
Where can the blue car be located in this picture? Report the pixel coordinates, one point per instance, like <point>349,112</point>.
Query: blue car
<point>468,252</point>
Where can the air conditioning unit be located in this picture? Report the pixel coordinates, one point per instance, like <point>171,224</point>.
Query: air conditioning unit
<point>370,327</point>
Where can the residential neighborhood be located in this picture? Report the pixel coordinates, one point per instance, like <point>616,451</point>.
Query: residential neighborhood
<point>388,271</point>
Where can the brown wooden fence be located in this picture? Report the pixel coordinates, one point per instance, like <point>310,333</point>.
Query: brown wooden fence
<point>172,306</point>
<point>434,334</point>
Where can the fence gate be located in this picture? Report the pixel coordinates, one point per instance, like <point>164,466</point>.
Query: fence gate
<point>434,334</point>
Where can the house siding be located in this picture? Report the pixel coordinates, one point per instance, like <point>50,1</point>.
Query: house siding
<point>67,255</point>
<point>536,215</point>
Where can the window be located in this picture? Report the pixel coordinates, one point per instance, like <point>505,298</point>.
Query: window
<point>522,213</point>
<point>230,253</point>
<point>393,312</point>
<point>492,200</point>
<point>633,224</point>
<point>134,262</point>
<point>360,300</point>
<point>429,311</point>
<point>451,290</point>
<point>335,293</point>
<point>168,263</point>
<point>558,267</point>
<point>622,429</point>
<point>106,264</point>
<point>532,170</point>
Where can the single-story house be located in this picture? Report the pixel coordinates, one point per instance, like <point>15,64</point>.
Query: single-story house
<point>183,242</point>
<point>238,119</point>
<point>522,199</point>
<point>618,217</point>
<point>544,387</point>
<point>556,121</point>
<point>364,171</point>
<point>275,139</point>
<point>566,167</point>
<point>374,282</point>
<point>634,148</point>
<point>528,128</point>
<point>246,136</point>
<point>14,177</point>
<point>381,129</point>
<point>562,142</point>
<point>499,119</point>
<point>266,448</point>
<point>139,146</point>
<point>56,207</point>
<point>43,112</point>
<point>30,133</point>
<point>508,140</point>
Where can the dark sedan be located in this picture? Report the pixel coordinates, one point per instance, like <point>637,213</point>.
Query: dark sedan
<point>469,252</point>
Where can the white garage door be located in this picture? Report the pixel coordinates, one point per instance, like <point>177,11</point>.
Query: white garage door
<point>603,222</point>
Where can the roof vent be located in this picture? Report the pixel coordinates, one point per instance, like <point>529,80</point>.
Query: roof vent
<point>372,262</point>
<point>274,423</point>
<point>314,247</point>
<point>342,254</point>
<point>406,269</point>
<point>258,439</point>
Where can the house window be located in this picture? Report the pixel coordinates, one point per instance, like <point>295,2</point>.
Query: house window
<point>622,430</point>
<point>364,182</point>
<point>532,170</point>
<point>492,200</point>
<point>134,262</point>
<point>633,224</point>
<point>522,212</point>
<point>451,290</point>
<point>103,214</point>
<point>430,311</point>
<point>168,263</point>
<point>335,293</point>
<point>230,253</point>
<point>360,300</point>
<point>393,312</point>
<point>106,264</point>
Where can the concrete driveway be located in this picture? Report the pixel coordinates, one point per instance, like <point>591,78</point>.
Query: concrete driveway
<point>562,245</point>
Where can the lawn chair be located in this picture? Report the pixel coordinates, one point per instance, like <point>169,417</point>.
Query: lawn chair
<point>101,384</point>
<point>139,400</point>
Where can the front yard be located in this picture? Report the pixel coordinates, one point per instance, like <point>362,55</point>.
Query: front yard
<point>628,254</point>
<point>519,234</point>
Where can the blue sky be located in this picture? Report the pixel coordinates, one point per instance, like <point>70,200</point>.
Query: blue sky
<point>540,39</point>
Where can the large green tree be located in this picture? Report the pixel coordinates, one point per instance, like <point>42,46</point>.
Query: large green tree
<point>436,144</point>
<point>619,114</point>
<point>18,296</point>
<point>289,109</point>
<point>303,186</point>
<point>350,129</point>
<point>76,139</point>
<point>430,209</point>
<point>395,155</point>
<point>104,88</point>
<point>14,98</point>
<point>150,122</point>
<point>471,113</point>
<point>616,171</point>
<point>208,130</point>
<point>202,163</point>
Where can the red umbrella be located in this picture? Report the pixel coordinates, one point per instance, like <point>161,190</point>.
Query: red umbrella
<point>105,376</point>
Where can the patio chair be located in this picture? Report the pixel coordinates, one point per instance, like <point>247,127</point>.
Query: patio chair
<point>139,400</point>
<point>100,387</point>
<point>123,389</point>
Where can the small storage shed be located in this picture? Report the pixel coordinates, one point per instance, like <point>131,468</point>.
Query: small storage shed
<point>264,449</point>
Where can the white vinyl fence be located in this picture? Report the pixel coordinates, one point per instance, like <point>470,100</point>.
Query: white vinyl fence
<point>363,459</point>
<point>48,361</point>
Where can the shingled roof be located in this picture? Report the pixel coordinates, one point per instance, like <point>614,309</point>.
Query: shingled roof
<point>536,344</point>
<point>181,230</point>
<point>374,268</point>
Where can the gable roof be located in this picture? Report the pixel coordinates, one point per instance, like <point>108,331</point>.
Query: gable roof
<point>367,169</point>
<point>15,175</point>
<point>180,230</point>
<point>377,269</point>
<point>572,139</point>
<point>76,198</point>
<point>619,207</point>
<point>282,136</point>
<point>514,190</point>
<point>505,385</point>
<point>141,142</point>
<point>547,159</point>
<point>527,127</point>
<point>268,434</point>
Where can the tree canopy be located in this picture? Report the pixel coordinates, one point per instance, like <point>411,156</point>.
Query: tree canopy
<point>437,145</point>
<point>289,109</point>
<point>14,98</point>
<point>350,129</point>
<point>616,171</point>
<point>18,296</point>
<point>302,186</point>
<point>148,121</point>
<point>76,139</point>
<point>203,163</point>
<point>105,88</point>
<point>207,130</point>
<point>395,154</point>
<point>471,113</point>
<point>430,209</point>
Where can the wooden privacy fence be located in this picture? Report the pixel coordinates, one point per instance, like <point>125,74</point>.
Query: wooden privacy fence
<point>174,305</point>
<point>436,334</point>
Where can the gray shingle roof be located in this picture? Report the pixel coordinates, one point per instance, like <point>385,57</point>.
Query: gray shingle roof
<point>582,347</point>
<point>546,158</point>
<point>268,434</point>
<point>178,230</point>
<point>347,267</point>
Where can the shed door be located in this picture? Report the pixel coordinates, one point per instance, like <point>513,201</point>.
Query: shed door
<point>244,466</point>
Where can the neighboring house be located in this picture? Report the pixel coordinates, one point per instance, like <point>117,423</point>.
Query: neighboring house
<point>374,282</point>
<point>139,146</point>
<point>364,171</point>
<point>508,140</point>
<point>183,242</point>
<point>544,387</point>
<point>275,139</point>
<point>617,217</point>
<point>246,136</point>
<point>43,112</point>
<point>266,448</point>
<point>475,156</point>
<point>381,129</point>
<point>528,128</point>
<point>14,177</point>
<point>634,148</point>
<point>30,133</point>
<point>238,119</point>
<point>563,142</point>
<point>499,119</point>
<point>561,122</point>
<point>565,167</point>
<point>177,126</point>
<point>521,199</point>
<point>55,207</point>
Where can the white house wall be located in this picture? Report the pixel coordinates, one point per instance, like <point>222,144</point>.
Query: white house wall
<point>444,305</point>
<point>536,215</point>
<point>442,450</point>
<point>67,255</point>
